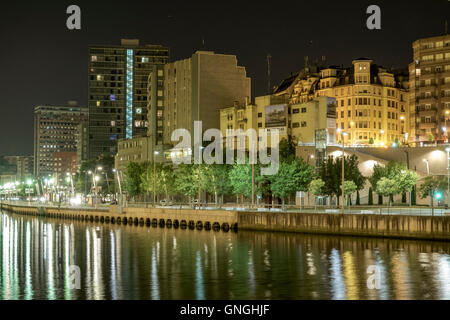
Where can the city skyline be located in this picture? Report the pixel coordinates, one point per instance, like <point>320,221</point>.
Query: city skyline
<point>263,30</point>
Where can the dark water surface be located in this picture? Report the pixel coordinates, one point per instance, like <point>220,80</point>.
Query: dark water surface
<point>131,262</point>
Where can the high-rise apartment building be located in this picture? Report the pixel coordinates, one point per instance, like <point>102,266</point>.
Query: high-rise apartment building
<point>195,89</point>
<point>118,92</point>
<point>55,130</point>
<point>429,76</point>
<point>372,102</point>
<point>25,167</point>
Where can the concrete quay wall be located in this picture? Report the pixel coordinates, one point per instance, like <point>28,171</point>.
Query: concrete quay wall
<point>371,225</point>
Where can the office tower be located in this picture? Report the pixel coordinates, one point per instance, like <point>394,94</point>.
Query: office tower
<point>196,89</point>
<point>55,130</point>
<point>429,76</point>
<point>118,81</point>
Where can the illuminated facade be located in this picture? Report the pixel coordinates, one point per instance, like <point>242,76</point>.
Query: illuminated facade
<point>118,92</point>
<point>56,129</point>
<point>372,103</point>
<point>430,90</point>
<point>301,122</point>
<point>196,88</point>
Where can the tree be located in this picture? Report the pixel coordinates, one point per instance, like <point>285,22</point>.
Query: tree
<point>165,179</point>
<point>133,178</point>
<point>388,187</point>
<point>186,179</point>
<point>371,141</point>
<point>291,177</point>
<point>147,179</point>
<point>431,185</point>
<point>395,171</point>
<point>378,172</point>
<point>331,173</point>
<point>370,201</point>
<point>316,188</point>
<point>215,179</point>
<point>241,180</point>
<point>286,149</point>
<point>349,188</point>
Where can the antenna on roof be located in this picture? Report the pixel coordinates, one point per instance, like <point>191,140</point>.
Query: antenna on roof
<point>203,42</point>
<point>269,62</point>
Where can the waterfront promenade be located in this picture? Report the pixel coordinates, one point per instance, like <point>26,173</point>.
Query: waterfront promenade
<point>431,227</point>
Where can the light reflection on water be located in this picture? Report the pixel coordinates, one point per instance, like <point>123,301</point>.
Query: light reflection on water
<point>123,262</point>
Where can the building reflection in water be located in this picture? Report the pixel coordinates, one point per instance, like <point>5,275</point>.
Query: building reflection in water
<point>127,262</point>
<point>338,289</point>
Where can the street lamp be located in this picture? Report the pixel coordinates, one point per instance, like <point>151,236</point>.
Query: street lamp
<point>381,137</point>
<point>199,193</point>
<point>352,124</point>
<point>120,186</point>
<point>69,176</point>
<point>343,134</point>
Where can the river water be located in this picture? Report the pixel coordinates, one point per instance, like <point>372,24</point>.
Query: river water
<point>51,259</point>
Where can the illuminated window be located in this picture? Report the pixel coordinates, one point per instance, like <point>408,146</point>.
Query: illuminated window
<point>144,59</point>
<point>138,110</point>
<point>98,103</point>
<point>99,77</point>
<point>94,58</point>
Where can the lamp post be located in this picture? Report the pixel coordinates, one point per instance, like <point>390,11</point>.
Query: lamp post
<point>343,134</point>
<point>199,189</point>
<point>253,185</point>
<point>444,129</point>
<point>154,177</point>
<point>120,186</point>
<point>352,124</point>
<point>69,175</point>
<point>381,137</point>
<point>29,183</point>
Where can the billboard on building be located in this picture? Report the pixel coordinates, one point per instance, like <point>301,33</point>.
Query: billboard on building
<point>276,116</point>
<point>331,107</point>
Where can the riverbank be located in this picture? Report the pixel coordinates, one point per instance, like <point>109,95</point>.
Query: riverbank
<point>367,225</point>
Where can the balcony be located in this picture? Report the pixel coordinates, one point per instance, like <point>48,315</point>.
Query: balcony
<point>427,99</point>
<point>430,125</point>
<point>427,112</point>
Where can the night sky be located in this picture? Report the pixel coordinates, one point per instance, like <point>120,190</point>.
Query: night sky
<point>42,62</point>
